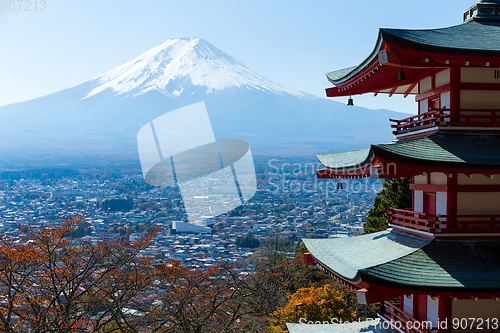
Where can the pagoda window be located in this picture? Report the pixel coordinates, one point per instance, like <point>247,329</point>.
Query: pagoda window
<point>432,310</point>
<point>474,11</point>
<point>408,304</point>
<point>487,10</point>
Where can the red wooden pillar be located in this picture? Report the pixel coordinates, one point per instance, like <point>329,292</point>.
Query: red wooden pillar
<point>455,77</point>
<point>415,306</point>
<point>451,196</point>
<point>444,315</point>
<point>421,313</point>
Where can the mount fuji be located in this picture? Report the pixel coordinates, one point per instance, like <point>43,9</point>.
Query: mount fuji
<point>104,114</point>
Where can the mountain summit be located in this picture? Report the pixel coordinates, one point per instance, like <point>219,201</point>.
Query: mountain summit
<point>177,63</point>
<point>103,115</point>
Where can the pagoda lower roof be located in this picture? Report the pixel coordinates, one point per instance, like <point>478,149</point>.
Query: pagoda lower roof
<point>405,261</point>
<point>440,149</point>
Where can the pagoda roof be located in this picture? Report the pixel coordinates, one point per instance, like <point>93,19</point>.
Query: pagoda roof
<point>415,50</point>
<point>405,261</point>
<point>480,38</point>
<point>440,149</point>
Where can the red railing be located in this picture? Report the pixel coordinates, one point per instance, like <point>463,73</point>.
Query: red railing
<point>447,118</point>
<point>415,123</point>
<point>401,321</point>
<point>414,220</point>
<point>444,223</point>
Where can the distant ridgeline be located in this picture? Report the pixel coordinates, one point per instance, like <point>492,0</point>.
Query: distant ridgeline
<point>52,173</point>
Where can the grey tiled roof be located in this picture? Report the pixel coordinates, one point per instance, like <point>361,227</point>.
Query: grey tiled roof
<point>348,160</point>
<point>479,151</point>
<point>445,264</point>
<point>471,38</point>
<point>400,260</point>
<point>346,256</point>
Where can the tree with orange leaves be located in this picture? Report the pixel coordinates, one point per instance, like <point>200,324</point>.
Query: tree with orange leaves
<point>52,284</point>
<point>322,304</point>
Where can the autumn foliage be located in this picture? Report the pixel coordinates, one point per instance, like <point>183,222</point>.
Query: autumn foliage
<point>322,304</point>
<point>51,282</point>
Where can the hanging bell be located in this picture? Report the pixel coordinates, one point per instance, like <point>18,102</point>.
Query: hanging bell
<point>402,75</point>
<point>340,186</point>
<point>350,102</point>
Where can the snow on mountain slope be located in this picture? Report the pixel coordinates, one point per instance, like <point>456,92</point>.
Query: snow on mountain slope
<point>166,67</point>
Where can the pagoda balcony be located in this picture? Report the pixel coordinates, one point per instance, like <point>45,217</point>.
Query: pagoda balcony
<point>447,118</point>
<point>401,321</point>
<point>444,224</point>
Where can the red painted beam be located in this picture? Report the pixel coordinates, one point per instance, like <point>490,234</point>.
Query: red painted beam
<point>430,93</point>
<point>393,91</point>
<point>460,59</point>
<point>410,89</point>
<point>396,59</point>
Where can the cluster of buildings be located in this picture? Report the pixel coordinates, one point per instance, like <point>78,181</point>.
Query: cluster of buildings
<point>294,214</point>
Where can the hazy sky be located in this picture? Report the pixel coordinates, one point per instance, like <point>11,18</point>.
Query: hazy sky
<point>294,42</point>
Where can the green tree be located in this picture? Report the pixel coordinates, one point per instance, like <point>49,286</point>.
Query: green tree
<point>395,193</point>
<point>248,241</point>
<point>115,205</point>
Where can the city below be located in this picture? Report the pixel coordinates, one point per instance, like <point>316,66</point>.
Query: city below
<point>290,202</point>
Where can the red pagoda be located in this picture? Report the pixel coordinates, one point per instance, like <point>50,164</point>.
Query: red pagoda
<point>440,258</point>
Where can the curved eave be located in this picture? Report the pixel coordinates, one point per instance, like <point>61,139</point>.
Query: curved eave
<point>347,257</point>
<point>472,43</point>
<point>403,261</point>
<point>342,75</point>
<point>389,283</point>
<point>411,156</point>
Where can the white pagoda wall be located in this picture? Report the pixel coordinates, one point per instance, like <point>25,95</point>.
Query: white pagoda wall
<point>469,308</point>
<point>479,75</point>
<point>442,78</point>
<point>479,99</point>
<point>478,203</point>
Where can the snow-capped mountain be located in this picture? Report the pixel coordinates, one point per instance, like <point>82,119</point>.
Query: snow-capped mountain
<point>176,62</point>
<point>104,114</point>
